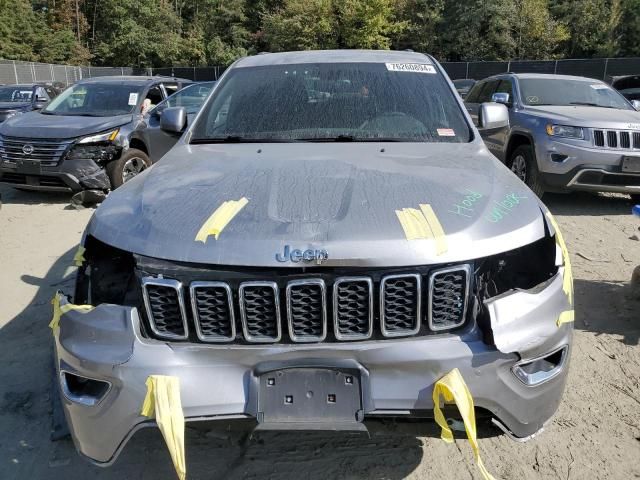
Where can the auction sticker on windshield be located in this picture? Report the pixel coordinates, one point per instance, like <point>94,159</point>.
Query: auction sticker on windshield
<point>133,98</point>
<point>411,67</point>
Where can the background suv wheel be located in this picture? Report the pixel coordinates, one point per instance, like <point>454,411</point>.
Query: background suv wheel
<point>523,164</point>
<point>131,163</point>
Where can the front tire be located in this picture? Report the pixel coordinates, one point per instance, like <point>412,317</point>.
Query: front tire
<point>523,164</point>
<point>131,163</point>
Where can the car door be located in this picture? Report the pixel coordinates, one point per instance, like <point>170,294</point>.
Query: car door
<point>480,93</point>
<point>157,140</point>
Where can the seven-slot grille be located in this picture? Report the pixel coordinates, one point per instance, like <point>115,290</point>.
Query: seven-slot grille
<point>401,299</point>
<point>616,139</point>
<point>47,152</point>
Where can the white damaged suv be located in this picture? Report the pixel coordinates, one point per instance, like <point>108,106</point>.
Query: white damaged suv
<point>328,239</point>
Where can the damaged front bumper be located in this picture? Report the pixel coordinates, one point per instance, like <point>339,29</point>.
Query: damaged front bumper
<point>105,345</point>
<point>68,176</point>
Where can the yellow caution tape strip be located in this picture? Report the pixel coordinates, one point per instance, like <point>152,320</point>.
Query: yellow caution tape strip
<point>423,225</point>
<point>453,389</point>
<point>220,218</point>
<point>567,283</point>
<point>78,258</point>
<point>567,316</point>
<point>61,306</point>
<point>163,402</point>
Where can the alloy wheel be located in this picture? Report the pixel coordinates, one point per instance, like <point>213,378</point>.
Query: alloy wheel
<point>519,167</point>
<point>131,168</point>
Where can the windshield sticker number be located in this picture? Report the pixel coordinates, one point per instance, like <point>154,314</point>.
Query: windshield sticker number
<point>532,99</point>
<point>133,98</point>
<point>598,86</point>
<point>446,132</point>
<point>410,67</point>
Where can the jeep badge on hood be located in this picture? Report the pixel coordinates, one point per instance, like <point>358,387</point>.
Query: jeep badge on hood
<point>308,255</point>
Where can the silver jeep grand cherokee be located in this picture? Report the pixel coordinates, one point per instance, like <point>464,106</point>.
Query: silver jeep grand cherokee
<point>566,133</point>
<point>327,240</point>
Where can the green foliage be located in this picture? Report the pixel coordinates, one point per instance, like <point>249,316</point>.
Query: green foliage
<point>199,32</point>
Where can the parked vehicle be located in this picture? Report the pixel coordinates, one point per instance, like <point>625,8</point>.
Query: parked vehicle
<point>91,137</point>
<point>566,133</point>
<point>316,254</point>
<point>628,86</point>
<point>463,85</point>
<point>22,98</point>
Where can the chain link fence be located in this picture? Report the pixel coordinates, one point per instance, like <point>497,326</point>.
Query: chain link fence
<point>600,68</point>
<point>14,71</point>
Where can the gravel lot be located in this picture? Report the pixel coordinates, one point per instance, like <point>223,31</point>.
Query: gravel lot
<point>595,434</point>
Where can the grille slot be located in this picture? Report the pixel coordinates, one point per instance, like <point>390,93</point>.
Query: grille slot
<point>306,310</point>
<point>48,152</point>
<point>612,139</point>
<point>165,308</point>
<point>353,308</point>
<point>598,138</point>
<point>260,311</point>
<point>400,305</point>
<point>212,304</point>
<point>625,140</point>
<point>448,291</point>
<point>636,139</point>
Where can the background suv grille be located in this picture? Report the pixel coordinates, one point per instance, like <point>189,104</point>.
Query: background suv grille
<point>621,139</point>
<point>47,152</point>
<point>448,297</point>
<point>318,307</point>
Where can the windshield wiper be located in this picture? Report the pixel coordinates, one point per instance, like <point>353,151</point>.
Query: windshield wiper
<point>240,139</point>
<point>590,104</point>
<point>351,138</point>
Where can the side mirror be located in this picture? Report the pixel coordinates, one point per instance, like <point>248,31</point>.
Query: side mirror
<point>173,120</point>
<point>636,104</point>
<point>502,98</point>
<point>493,115</point>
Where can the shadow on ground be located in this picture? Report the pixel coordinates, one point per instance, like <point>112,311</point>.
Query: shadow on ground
<point>587,203</point>
<point>608,308</point>
<point>27,197</point>
<point>26,450</point>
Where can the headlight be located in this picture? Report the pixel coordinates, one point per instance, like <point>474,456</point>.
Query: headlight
<point>565,131</point>
<point>98,153</point>
<point>102,137</point>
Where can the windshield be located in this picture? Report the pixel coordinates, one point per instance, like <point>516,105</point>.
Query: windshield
<point>16,93</point>
<point>333,102</point>
<point>191,97</point>
<point>549,91</point>
<point>96,100</point>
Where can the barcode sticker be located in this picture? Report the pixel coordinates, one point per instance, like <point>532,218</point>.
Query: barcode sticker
<point>446,132</point>
<point>410,67</point>
<point>133,98</point>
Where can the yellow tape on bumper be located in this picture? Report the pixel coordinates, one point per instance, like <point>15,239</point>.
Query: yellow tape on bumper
<point>163,402</point>
<point>219,219</point>
<point>453,389</point>
<point>567,316</point>
<point>567,284</point>
<point>60,307</point>
<point>78,258</point>
<point>423,225</point>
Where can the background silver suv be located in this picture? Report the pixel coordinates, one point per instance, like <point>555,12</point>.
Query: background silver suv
<point>566,133</point>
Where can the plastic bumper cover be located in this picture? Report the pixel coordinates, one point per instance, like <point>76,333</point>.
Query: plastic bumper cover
<point>216,381</point>
<point>68,176</point>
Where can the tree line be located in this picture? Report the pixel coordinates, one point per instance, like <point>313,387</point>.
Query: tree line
<point>157,33</point>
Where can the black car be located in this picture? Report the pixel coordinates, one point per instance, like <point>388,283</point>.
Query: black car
<point>89,137</point>
<point>25,97</point>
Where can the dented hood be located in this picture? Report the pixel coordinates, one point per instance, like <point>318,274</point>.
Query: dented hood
<point>338,197</point>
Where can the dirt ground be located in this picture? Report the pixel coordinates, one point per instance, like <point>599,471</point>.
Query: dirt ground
<point>595,434</point>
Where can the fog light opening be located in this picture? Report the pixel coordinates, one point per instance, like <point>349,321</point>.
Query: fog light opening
<point>83,390</point>
<point>542,369</point>
<point>558,157</point>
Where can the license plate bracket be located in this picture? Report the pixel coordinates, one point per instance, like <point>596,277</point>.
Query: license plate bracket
<point>311,398</point>
<point>630,164</point>
<point>28,167</point>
